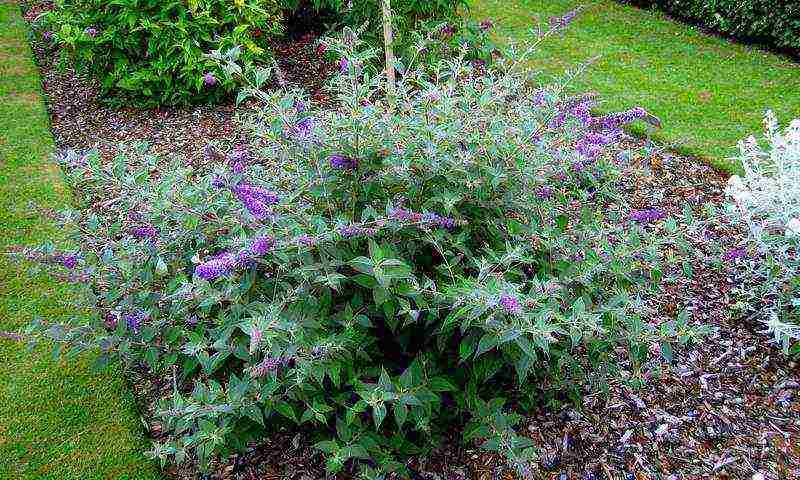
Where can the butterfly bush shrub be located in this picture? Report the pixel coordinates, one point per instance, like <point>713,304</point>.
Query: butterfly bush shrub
<point>766,202</point>
<point>378,272</point>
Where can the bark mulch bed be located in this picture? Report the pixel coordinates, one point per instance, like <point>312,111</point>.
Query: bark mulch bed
<point>728,408</point>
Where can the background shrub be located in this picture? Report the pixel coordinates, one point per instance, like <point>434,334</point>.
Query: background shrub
<point>151,51</point>
<point>765,201</point>
<point>376,273</point>
<point>771,22</point>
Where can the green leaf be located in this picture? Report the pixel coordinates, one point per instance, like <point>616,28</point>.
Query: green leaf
<point>378,414</point>
<point>286,410</point>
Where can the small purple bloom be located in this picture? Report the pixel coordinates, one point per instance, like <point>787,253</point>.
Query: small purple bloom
<point>69,261</point>
<point>261,246</point>
<point>734,254</point>
<point>209,80</point>
<point>218,266</point>
<point>510,304</point>
<point>448,30</point>
<point>134,320</point>
<point>341,162</point>
<point>268,365</point>
<point>544,193</point>
<point>440,221</point>
<point>557,121</point>
<point>486,25</point>
<point>615,121</point>
<point>218,182</point>
<point>299,106</point>
<point>47,36</point>
<point>91,31</point>
<point>344,66</point>
<point>647,216</point>
<point>305,240</point>
<point>304,128</point>
<point>145,231</point>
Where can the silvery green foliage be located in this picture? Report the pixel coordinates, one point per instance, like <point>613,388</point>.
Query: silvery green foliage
<point>380,271</point>
<point>767,201</point>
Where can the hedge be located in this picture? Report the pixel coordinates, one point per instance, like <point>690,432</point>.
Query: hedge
<point>775,23</point>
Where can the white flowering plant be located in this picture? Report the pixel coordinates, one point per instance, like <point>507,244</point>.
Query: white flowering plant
<point>766,201</point>
<point>377,272</point>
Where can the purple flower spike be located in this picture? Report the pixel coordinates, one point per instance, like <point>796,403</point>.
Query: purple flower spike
<point>268,365</point>
<point>486,25</point>
<point>219,266</point>
<point>647,216</point>
<point>91,31</point>
<point>344,66</point>
<point>145,231</point>
<point>305,240</point>
<point>734,254</point>
<point>209,80</point>
<point>256,200</point>
<point>510,304</point>
<point>352,231</point>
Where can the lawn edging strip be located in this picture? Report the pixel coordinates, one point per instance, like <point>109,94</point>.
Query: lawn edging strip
<point>58,419</point>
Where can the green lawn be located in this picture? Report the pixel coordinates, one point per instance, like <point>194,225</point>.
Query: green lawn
<point>57,420</point>
<point>708,92</point>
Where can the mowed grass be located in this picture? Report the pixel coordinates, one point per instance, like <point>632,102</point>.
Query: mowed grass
<point>708,92</point>
<point>58,420</point>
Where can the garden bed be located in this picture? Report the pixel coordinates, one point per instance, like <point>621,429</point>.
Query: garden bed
<point>727,408</point>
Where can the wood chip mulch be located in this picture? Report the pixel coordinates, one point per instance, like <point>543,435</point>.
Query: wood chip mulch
<point>728,408</point>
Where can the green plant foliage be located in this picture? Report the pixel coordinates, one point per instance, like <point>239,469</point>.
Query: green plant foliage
<point>774,22</point>
<point>151,52</point>
<point>376,274</point>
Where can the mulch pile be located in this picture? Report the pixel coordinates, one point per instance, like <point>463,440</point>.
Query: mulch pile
<point>728,408</point>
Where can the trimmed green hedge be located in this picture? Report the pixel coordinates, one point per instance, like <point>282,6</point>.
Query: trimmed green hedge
<point>771,22</point>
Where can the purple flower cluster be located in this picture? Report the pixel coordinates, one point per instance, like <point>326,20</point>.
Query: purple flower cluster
<point>91,31</point>
<point>209,80</point>
<point>144,232</point>
<point>440,221</point>
<point>340,162</point>
<point>256,200</point>
<point>486,25</point>
<point>303,130</point>
<point>448,30</point>
<point>268,365</point>
<point>734,254</point>
<point>134,320</point>
<point>647,216</point>
<point>592,144</point>
<point>344,66</point>
<point>582,111</point>
<point>225,263</point>
<point>510,304</point>
<point>47,36</point>
<point>67,260</point>
<point>352,231</point>
<point>305,240</point>
<point>544,193</point>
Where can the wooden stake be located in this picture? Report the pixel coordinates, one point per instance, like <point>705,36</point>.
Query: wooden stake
<point>388,40</point>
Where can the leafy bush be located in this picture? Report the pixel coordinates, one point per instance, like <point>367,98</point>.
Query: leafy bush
<point>379,273</point>
<point>766,201</point>
<point>773,22</point>
<point>152,52</point>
